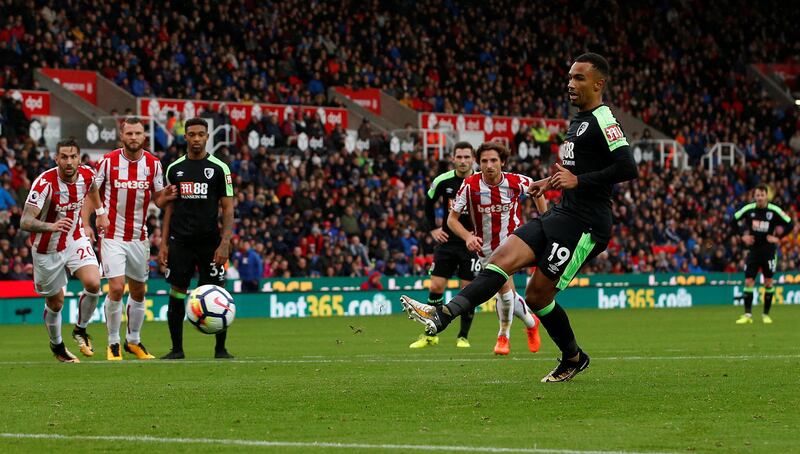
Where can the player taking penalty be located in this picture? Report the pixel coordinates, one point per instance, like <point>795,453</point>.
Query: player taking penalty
<point>594,156</point>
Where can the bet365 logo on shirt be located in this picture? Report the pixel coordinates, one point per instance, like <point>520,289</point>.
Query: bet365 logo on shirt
<point>191,190</point>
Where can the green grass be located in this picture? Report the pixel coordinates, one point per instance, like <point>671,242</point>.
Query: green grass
<point>679,380</point>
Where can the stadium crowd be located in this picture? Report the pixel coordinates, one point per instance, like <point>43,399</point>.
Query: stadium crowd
<point>334,213</point>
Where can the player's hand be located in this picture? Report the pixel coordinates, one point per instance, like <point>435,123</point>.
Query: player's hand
<point>62,225</point>
<point>222,253</point>
<point>89,232</point>
<point>474,244</point>
<point>539,187</point>
<point>169,193</point>
<point>163,253</point>
<point>102,224</point>
<point>748,239</point>
<point>563,178</point>
<point>773,239</point>
<point>439,235</point>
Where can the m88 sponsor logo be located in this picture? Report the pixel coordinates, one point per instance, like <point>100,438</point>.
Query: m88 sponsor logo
<point>190,190</point>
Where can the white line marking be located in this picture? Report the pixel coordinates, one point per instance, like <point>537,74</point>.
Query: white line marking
<point>299,444</point>
<point>376,359</point>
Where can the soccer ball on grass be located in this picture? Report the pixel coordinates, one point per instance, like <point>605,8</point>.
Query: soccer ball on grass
<point>210,309</point>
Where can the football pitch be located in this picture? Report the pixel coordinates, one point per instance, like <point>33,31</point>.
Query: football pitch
<point>670,380</point>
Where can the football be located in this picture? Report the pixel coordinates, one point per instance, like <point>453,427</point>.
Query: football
<point>210,309</point>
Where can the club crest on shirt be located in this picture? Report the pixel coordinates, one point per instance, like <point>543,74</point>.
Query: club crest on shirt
<point>582,128</point>
<point>208,172</point>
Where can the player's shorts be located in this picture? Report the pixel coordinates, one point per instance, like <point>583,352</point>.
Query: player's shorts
<point>49,274</point>
<point>764,261</point>
<point>184,258</point>
<point>561,245</point>
<point>129,258</point>
<point>450,258</point>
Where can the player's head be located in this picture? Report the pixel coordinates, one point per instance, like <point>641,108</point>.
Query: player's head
<point>587,80</point>
<point>132,130</point>
<point>492,157</point>
<point>68,158</point>
<point>196,135</point>
<point>463,157</point>
<point>761,194</point>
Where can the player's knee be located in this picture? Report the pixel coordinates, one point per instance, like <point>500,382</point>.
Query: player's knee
<point>92,286</point>
<point>55,302</point>
<point>538,297</point>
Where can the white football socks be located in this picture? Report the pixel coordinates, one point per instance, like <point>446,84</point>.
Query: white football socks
<point>136,313</point>
<point>86,306</point>
<point>505,308</point>
<point>522,312</point>
<point>52,321</point>
<point>113,310</point>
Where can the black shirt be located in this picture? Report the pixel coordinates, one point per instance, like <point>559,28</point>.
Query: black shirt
<point>762,222</point>
<point>597,152</point>
<point>201,183</point>
<point>445,186</point>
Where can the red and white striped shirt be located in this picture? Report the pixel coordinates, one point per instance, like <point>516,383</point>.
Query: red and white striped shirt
<point>495,210</point>
<point>125,189</point>
<point>58,199</point>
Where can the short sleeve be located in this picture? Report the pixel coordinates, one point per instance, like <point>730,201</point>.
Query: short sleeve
<point>40,192</point>
<point>461,198</point>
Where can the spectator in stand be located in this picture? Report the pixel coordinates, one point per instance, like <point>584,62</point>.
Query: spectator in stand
<point>373,282</point>
<point>250,266</point>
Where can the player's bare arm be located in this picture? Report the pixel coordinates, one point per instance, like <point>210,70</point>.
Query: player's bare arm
<point>30,223</point>
<point>94,204</point>
<point>473,242</point>
<point>163,252</point>
<point>223,251</point>
<point>166,195</point>
<point>539,187</point>
<point>541,203</point>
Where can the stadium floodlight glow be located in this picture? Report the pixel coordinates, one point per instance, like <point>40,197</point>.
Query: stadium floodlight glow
<point>797,102</point>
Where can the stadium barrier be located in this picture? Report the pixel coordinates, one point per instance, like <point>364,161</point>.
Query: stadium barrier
<point>340,303</point>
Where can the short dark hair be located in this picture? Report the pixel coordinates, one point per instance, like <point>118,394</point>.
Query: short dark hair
<point>762,187</point>
<point>68,143</point>
<point>463,144</point>
<point>598,61</point>
<point>197,121</point>
<point>502,150</point>
<point>130,121</point>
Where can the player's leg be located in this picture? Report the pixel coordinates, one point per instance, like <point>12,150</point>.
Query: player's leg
<point>180,268</point>
<point>504,307</point>
<point>469,266</point>
<point>567,250</point>
<point>211,274</point>
<point>136,272</point>
<point>751,268</point>
<point>522,312</point>
<point>114,270</point>
<point>435,295</point>
<point>512,255</point>
<point>442,268</point>
<point>769,289</point>
<point>49,279</point>
<point>82,263</point>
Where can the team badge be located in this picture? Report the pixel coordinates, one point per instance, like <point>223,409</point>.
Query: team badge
<point>209,172</point>
<point>583,127</point>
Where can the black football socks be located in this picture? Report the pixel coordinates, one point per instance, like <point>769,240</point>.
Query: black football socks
<point>175,315</point>
<point>769,292</point>
<point>748,300</point>
<point>489,281</point>
<point>555,321</point>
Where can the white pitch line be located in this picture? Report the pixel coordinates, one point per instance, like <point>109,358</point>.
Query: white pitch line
<point>298,444</point>
<point>376,359</point>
